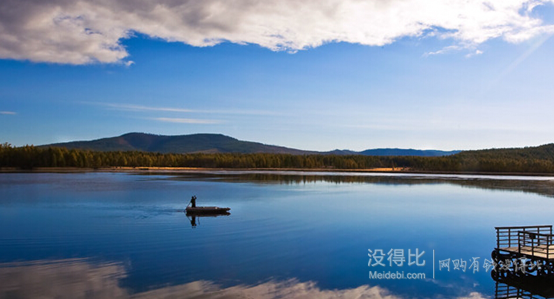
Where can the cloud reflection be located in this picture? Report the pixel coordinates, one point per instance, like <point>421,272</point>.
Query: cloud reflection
<point>81,278</point>
<point>70,278</point>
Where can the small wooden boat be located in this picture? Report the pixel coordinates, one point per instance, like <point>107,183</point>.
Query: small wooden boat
<point>206,210</point>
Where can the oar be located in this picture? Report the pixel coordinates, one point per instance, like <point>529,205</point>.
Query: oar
<point>190,201</point>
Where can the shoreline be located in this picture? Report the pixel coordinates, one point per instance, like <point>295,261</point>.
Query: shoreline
<point>177,170</point>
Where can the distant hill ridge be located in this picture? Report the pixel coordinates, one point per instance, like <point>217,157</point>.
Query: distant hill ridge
<point>406,152</point>
<point>194,143</point>
<point>218,143</point>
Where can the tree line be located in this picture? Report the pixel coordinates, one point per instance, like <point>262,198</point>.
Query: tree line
<point>529,160</point>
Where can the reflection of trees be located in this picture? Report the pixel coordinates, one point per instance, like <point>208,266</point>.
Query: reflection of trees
<point>80,278</point>
<point>541,187</point>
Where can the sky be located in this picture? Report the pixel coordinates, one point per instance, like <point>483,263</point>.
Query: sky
<point>313,75</point>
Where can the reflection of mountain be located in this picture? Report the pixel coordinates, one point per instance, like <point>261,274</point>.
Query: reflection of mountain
<point>539,186</point>
<point>80,278</point>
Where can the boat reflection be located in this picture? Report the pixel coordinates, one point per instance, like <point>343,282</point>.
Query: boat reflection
<point>195,219</point>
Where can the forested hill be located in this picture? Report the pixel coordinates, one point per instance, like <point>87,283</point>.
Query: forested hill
<point>530,160</point>
<point>543,152</point>
<point>217,143</point>
<point>539,159</point>
<point>194,143</point>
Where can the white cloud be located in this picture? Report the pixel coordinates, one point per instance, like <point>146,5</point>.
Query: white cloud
<point>137,108</point>
<point>474,53</point>
<point>186,120</point>
<point>87,31</point>
<point>444,50</point>
<point>131,107</point>
<point>7,113</point>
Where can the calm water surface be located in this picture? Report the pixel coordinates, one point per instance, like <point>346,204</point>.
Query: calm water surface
<point>114,235</point>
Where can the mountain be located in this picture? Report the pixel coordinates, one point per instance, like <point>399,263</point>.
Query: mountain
<point>406,152</point>
<point>217,143</point>
<point>206,143</point>
<point>339,152</point>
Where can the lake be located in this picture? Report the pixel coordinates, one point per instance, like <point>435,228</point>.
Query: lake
<point>289,235</point>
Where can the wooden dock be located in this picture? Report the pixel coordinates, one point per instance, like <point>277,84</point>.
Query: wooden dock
<point>526,241</point>
<point>524,257</point>
<point>527,249</point>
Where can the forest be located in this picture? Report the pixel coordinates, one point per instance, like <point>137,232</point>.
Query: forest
<point>523,160</point>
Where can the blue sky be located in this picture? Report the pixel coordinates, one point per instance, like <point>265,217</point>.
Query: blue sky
<point>447,85</point>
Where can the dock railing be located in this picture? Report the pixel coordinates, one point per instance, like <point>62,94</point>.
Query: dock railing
<point>509,236</point>
<point>538,244</point>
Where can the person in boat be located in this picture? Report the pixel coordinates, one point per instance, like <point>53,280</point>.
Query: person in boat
<point>193,201</point>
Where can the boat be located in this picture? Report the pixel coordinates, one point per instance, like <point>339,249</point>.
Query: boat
<point>206,210</point>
